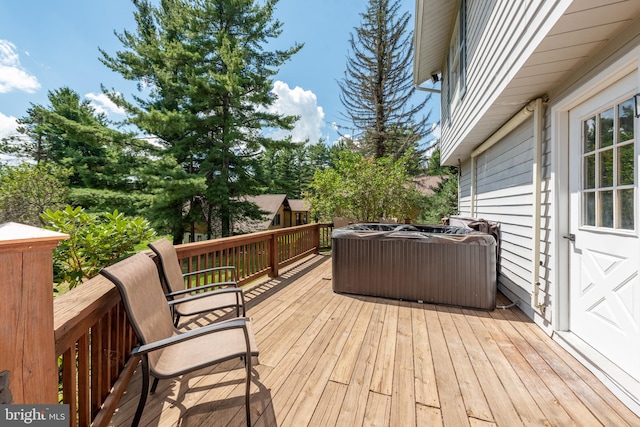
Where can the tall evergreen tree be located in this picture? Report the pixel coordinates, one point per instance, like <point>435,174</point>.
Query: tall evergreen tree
<point>377,89</point>
<point>289,169</point>
<point>69,132</point>
<point>29,142</point>
<point>319,155</point>
<point>205,79</point>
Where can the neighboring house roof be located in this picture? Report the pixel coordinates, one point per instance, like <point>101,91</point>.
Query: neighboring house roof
<point>428,184</point>
<point>269,203</point>
<point>543,54</point>
<point>299,205</point>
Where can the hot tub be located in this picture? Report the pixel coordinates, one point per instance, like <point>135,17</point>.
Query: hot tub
<point>430,264</point>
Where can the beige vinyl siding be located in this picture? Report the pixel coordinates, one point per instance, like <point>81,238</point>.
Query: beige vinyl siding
<point>500,36</point>
<point>464,189</point>
<point>504,193</point>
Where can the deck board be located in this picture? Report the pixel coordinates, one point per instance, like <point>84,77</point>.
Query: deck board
<point>403,402</point>
<point>474,398</point>
<point>329,359</point>
<point>352,412</point>
<point>426,390</point>
<point>452,404</point>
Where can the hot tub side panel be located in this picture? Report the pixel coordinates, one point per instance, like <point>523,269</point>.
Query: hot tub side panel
<point>449,271</point>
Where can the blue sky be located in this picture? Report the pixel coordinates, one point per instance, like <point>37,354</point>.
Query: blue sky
<point>46,45</point>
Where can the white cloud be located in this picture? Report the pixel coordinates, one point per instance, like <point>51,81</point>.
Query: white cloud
<point>12,75</point>
<point>435,130</point>
<point>8,125</point>
<point>298,102</point>
<point>103,104</point>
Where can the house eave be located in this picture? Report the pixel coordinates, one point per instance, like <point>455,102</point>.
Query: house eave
<point>433,20</point>
<point>558,54</point>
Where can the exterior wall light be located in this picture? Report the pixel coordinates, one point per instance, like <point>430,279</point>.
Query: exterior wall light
<point>636,98</point>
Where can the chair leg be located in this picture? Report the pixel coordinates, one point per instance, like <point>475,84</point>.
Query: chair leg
<point>154,385</point>
<point>144,391</point>
<point>176,320</point>
<point>247,399</point>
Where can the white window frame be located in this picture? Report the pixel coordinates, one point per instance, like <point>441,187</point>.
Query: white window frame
<point>615,187</point>
<point>456,67</point>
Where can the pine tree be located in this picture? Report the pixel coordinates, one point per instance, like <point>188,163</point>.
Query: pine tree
<point>69,132</point>
<point>102,162</point>
<point>377,88</point>
<point>289,169</point>
<point>205,79</point>
<point>29,142</point>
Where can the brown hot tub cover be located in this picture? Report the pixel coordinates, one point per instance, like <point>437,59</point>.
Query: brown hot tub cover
<point>427,263</point>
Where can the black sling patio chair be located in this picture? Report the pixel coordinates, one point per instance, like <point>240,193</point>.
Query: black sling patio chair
<point>167,352</point>
<point>212,295</point>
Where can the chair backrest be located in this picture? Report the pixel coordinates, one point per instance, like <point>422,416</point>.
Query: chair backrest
<point>169,264</point>
<point>137,280</point>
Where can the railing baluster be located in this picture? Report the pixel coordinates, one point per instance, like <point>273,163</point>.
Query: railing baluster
<point>84,387</point>
<point>113,344</point>
<point>106,347</point>
<point>96,367</point>
<point>69,383</point>
<point>122,342</point>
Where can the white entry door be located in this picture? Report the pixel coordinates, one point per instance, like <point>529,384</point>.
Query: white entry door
<point>605,255</point>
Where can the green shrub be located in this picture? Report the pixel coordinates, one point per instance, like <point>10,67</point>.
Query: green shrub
<point>26,190</point>
<point>96,241</point>
<point>363,189</point>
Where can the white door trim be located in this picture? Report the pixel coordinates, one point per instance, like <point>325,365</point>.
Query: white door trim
<point>623,386</point>
<point>560,179</point>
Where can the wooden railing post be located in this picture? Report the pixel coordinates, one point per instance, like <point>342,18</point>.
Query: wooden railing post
<point>26,313</point>
<point>273,255</point>
<point>316,239</point>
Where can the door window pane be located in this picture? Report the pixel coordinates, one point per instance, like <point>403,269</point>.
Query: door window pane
<point>605,209</point>
<point>626,203</point>
<point>626,165</point>
<point>589,130</point>
<point>625,114</point>
<point>589,209</point>
<point>590,171</point>
<point>606,168</point>
<point>606,128</point>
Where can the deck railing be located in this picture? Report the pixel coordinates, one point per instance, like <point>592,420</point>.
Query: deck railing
<point>93,336</point>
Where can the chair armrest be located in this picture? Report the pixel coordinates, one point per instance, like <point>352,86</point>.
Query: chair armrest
<point>208,270</point>
<point>232,286</point>
<point>204,294</point>
<point>240,322</point>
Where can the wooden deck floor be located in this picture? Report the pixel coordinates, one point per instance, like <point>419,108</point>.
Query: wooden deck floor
<point>328,359</point>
